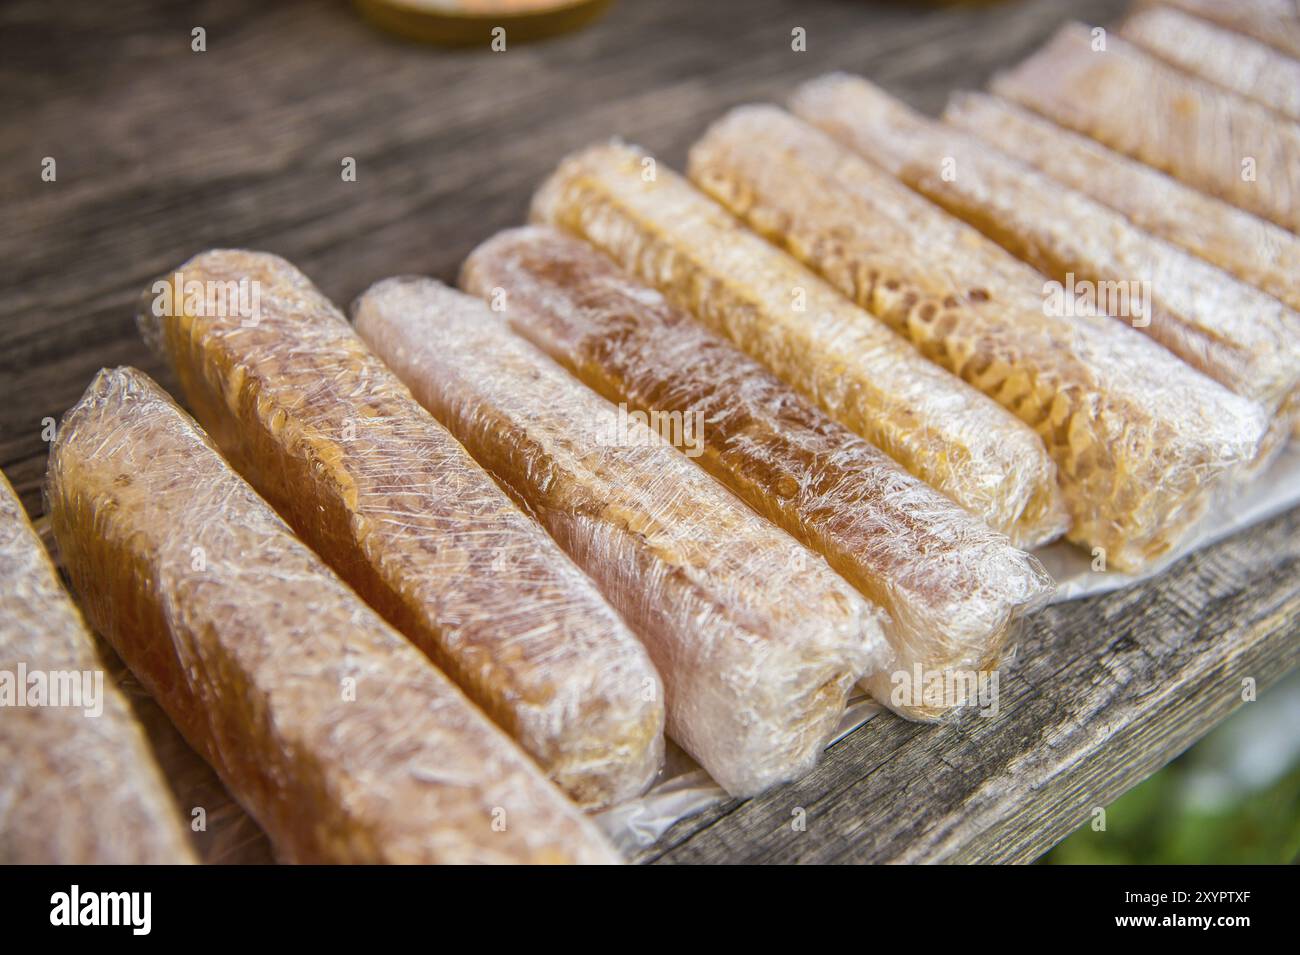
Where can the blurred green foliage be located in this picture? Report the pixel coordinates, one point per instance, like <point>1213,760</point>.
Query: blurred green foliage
<point>1160,821</point>
<point>1151,825</point>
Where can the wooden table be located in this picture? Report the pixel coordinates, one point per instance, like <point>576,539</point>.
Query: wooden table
<point>161,152</point>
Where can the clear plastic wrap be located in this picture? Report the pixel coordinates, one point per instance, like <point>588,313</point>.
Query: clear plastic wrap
<point>757,639</point>
<point>229,835</point>
<point>391,500</point>
<point>1138,436</point>
<point>1275,22</point>
<point>862,374</point>
<point>1245,66</point>
<point>79,784</point>
<point>953,588</point>
<point>1244,339</point>
<point>1253,249</point>
<point>684,789</point>
<point>1272,492</point>
<point>342,739</point>
<point>1208,137</point>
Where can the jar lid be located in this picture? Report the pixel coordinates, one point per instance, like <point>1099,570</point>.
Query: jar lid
<point>473,22</point>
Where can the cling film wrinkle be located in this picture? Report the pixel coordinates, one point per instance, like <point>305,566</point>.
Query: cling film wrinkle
<point>856,369</point>
<point>1253,249</point>
<point>954,589</point>
<point>1210,138</point>
<point>757,639</point>
<point>337,735</point>
<point>393,502</point>
<point>80,784</point>
<point>1139,438</point>
<point>1234,333</point>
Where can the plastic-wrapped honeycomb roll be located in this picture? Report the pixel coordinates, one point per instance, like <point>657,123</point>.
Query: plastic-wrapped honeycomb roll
<point>1275,22</point>
<point>953,588</point>
<point>392,501</point>
<point>1208,137</point>
<point>863,375</point>
<point>757,639</point>
<point>1231,331</point>
<point>1245,66</point>
<point>1253,249</point>
<point>338,736</point>
<point>80,785</point>
<point>1138,436</point>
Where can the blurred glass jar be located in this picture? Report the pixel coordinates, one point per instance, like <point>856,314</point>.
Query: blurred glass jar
<point>479,22</point>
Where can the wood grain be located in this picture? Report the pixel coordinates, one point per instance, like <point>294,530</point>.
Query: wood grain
<point>162,152</point>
